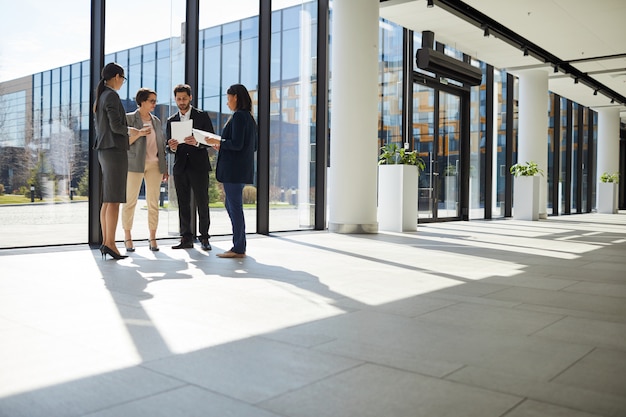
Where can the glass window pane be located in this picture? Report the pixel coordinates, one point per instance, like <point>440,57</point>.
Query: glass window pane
<point>228,55</point>
<point>41,141</point>
<point>292,125</point>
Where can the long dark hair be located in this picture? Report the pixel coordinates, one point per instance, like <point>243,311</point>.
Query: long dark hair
<point>244,102</point>
<point>109,71</point>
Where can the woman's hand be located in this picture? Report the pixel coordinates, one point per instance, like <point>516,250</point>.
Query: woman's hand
<point>215,143</point>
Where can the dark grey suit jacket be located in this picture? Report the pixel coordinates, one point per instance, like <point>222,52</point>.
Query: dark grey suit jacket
<point>111,127</point>
<point>137,151</point>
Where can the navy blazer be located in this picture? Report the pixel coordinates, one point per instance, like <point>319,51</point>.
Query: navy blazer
<point>235,159</point>
<point>189,157</point>
<point>111,127</point>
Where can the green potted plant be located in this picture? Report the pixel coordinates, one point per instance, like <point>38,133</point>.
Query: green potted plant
<point>392,154</point>
<point>606,177</point>
<point>608,193</point>
<point>398,173</point>
<point>450,170</point>
<point>526,190</point>
<point>526,170</point>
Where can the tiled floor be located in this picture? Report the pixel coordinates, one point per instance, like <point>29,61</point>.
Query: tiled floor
<point>481,318</point>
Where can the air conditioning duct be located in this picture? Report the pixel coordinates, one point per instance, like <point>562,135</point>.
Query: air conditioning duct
<point>445,66</point>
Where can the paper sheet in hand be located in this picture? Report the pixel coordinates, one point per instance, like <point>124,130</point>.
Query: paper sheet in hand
<point>200,136</point>
<point>180,130</point>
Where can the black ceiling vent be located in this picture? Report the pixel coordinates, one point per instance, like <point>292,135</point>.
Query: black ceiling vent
<point>445,66</point>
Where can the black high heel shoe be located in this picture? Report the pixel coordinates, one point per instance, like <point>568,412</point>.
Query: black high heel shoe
<point>154,248</point>
<point>105,250</point>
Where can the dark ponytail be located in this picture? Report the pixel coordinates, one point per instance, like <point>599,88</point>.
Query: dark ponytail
<point>109,71</point>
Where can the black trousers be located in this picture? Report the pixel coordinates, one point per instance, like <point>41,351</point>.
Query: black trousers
<point>185,183</point>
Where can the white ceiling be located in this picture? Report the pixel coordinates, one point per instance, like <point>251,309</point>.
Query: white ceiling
<point>568,29</point>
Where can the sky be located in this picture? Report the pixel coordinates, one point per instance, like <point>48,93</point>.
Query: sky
<point>38,35</point>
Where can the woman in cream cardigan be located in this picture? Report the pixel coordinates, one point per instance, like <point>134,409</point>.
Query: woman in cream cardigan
<point>146,162</point>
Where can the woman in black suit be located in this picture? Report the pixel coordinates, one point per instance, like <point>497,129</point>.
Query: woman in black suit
<point>112,146</point>
<point>235,162</point>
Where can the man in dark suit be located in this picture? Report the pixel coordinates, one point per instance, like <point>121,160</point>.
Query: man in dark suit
<point>191,169</point>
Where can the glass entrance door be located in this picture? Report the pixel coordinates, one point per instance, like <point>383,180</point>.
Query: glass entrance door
<point>437,135</point>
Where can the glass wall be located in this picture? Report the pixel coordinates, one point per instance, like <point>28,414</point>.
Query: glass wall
<point>227,54</point>
<point>565,161</point>
<point>45,116</point>
<point>292,117</point>
<point>499,165</point>
<point>43,124</point>
<point>390,85</point>
<point>478,144</point>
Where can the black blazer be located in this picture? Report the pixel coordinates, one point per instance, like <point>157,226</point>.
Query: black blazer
<point>189,157</point>
<point>235,159</point>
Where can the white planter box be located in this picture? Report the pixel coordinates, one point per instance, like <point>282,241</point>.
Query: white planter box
<point>526,198</point>
<point>397,198</point>
<point>607,197</point>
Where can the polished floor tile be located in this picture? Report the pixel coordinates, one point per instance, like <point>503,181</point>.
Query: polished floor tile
<point>497,318</point>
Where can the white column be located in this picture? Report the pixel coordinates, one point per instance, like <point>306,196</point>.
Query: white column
<point>608,158</point>
<point>354,117</point>
<point>608,141</point>
<point>533,127</point>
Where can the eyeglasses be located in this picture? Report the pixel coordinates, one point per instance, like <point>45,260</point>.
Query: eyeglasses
<point>124,78</point>
<point>153,101</point>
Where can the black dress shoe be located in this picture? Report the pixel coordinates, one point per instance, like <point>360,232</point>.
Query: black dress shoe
<point>184,244</point>
<point>205,244</point>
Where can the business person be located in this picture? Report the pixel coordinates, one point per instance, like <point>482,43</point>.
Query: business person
<point>191,169</point>
<point>235,162</point>
<point>146,162</point>
<point>112,144</point>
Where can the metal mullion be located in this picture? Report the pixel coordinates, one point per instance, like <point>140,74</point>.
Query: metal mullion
<point>96,63</point>
<point>489,139</point>
<point>556,163</point>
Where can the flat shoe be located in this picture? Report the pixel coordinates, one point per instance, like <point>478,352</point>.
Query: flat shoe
<point>231,254</point>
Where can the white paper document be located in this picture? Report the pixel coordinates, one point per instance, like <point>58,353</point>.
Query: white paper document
<point>180,130</point>
<point>201,135</point>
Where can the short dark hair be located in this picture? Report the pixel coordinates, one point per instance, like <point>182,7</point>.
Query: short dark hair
<point>244,102</point>
<point>143,94</point>
<point>182,88</point>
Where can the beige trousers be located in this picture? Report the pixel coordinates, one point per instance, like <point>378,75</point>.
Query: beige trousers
<point>153,178</point>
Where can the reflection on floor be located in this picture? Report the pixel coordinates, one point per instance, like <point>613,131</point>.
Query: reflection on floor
<point>480,318</point>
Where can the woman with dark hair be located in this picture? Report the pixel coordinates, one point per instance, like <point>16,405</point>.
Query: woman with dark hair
<point>146,162</point>
<point>112,144</point>
<point>235,162</point>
